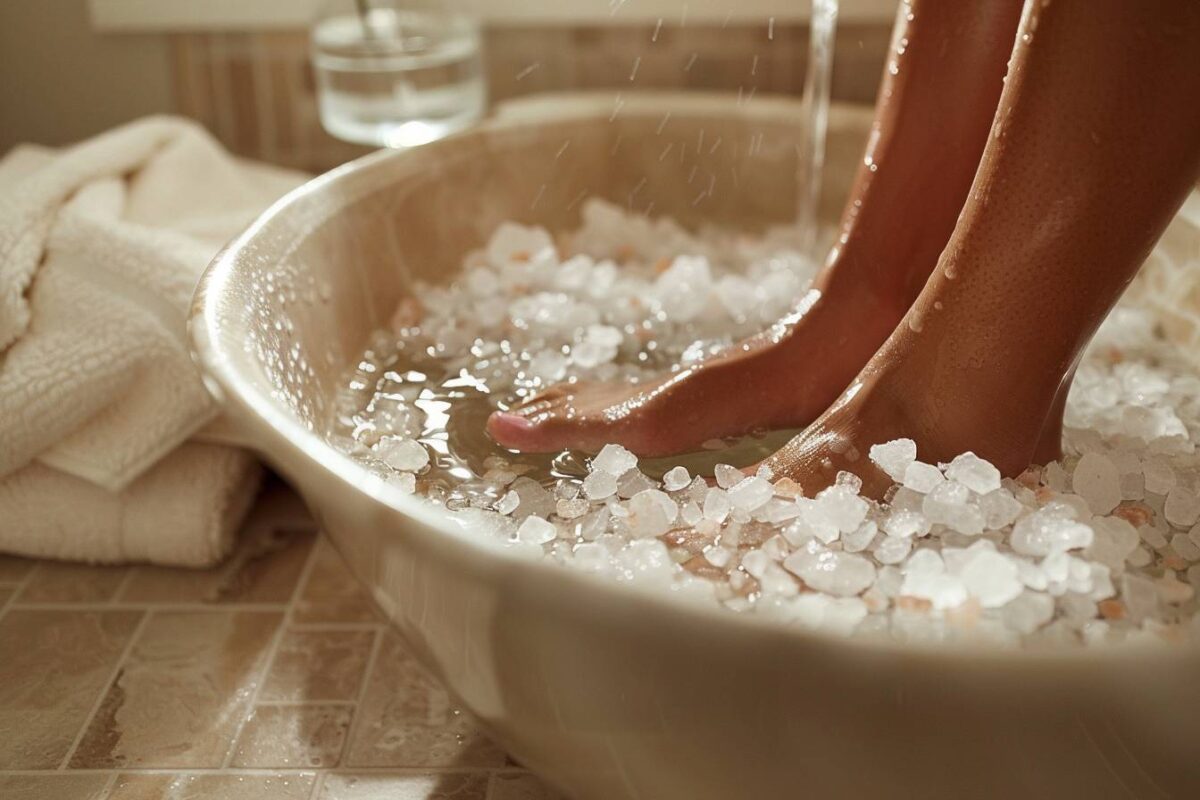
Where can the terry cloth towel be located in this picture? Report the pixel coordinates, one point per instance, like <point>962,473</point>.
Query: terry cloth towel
<point>101,245</point>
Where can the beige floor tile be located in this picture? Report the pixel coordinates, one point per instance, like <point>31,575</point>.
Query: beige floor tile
<point>182,693</point>
<point>13,569</point>
<point>290,786</point>
<point>53,667</point>
<point>318,665</point>
<point>62,786</point>
<point>521,787</point>
<point>404,787</point>
<point>264,569</point>
<point>59,582</point>
<point>331,593</point>
<point>406,720</point>
<point>287,737</point>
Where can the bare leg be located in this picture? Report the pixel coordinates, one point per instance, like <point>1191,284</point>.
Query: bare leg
<point>1095,145</point>
<point>935,107</point>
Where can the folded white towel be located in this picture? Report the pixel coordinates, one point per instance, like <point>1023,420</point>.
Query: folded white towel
<point>101,245</point>
<point>183,512</point>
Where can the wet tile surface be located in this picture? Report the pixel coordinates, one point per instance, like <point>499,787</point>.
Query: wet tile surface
<point>182,693</point>
<point>53,582</point>
<point>407,720</point>
<point>282,786</point>
<point>52,786</point>
<point>331,594</point>
<point>54,667</point>
<point>404,787</point>
<point>319,665</point>
<point>271,677</point>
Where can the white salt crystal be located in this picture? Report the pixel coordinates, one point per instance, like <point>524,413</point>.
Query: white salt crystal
<point>651,513</point>
<point>404,481</point>
<point>812,523</point>
<point>776,581</point>
<point>1032,575</point>
<point>974,472</point>
<point>750,493</point>
<point>904,524</point>
<point>716,505</point>
<point>599,485</point>
<point>860,538</point>
<point>889,580</point>
<point>1182,544</point>
<point>508,503</point>
<point>1000,509</point>
<point>676,478</point>
<point>1097,481</point>
<point>590,557</point>
<point>1028,612</point>
<point>718,556</point>
<point>632,482</point>
<point>572,509</point>
<point>942,590</point>
<point>1159,475</point>
<point>613,459</point>
<point>1140,596</point>
<point>922,477</point>
<point>755,562</point>
<point>1045,532</point>
<point>513,242</point>
<point>948,503</point>
<point>893,550</point>
<point>1140,557</point>
<point>402,454</point>
<point>604,335</point>
<point>992,579</point>
<point>588,354</point>
<point>1114,539</point>
<point>536,530</point>
<point>926,561</point>
<point>1182,508</point>
<point>841,574</point>
<point>1173,591</point>
<point>646,561</point>
<point>894,457</point>
<point>690,513</point>
<point>842,507</point>
<point>727,476</point>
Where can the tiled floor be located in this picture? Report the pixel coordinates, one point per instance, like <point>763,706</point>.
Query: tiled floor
<point>270,677</point>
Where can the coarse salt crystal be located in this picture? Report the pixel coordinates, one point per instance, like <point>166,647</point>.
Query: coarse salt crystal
<point>1097,481</point>
<point>974,472</point>
<point>536,530</point>
<point>614,459</point>
<point>727,476</point>
<point>922,477</point>
<point>402,454</point>
<point>841,574</point>
<point>1182,507</point>
<point>894,457</point>
<point>676,478</point>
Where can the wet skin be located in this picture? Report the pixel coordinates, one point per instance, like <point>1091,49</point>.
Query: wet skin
<point>947,64</point>
<point>1092,147</point>
<point>1095,145</point>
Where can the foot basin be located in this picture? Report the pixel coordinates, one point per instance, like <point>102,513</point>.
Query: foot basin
<point>607,691</point>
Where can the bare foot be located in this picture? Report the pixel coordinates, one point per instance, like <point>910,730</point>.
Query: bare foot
<point>948,64</point>
<point>781,379</point>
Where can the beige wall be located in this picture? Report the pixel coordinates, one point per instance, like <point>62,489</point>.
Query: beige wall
<point>60,81</point>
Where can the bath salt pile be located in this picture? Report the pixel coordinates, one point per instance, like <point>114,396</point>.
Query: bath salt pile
<point>1101,548</point>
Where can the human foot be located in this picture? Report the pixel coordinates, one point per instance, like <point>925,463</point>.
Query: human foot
<point>780,379</point>
<point>948,64</point>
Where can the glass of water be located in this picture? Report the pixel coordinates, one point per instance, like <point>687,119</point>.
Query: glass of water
<point>397,73</point>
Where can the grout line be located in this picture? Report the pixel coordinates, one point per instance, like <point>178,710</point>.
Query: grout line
<point>368,673</point>
<point>318,785</point>
<point>87,721</point>
<point>303,703</point>
<point>151,606</point>
<point>248,771</point>
<point>335,627</point>
<point>109,785</point>
<point>272,652</point>
<point>125,581</point>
